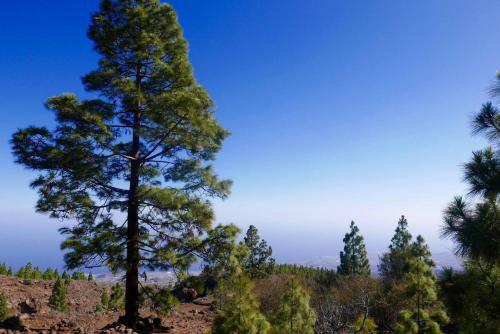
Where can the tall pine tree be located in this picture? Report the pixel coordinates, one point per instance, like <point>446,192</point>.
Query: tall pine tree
<point>142,146</point>
<point>354,259</point>
<point>259,262</point>
<point>394,264</point>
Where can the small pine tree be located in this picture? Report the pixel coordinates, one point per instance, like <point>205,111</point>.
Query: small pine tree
<point>426,312</point>
<point>48,274</point>
<point>28,270</point>
<point>67,279</point>
<point>4,309</point>
<point>259,262</point>
<point>295,315</point>
<point>117,298</point>
<point>3,269</point>
<point>354,260</point>
<point>90,277</point>
<point>9,271</point>
<point>240,312</point>
<point>36,273</point>
<point>105,299</point>
<point>58,298</point>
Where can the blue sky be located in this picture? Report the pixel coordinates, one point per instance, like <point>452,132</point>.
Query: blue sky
<point>338,110</point>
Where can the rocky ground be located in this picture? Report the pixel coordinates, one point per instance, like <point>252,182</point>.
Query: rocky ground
<point>28,302</point>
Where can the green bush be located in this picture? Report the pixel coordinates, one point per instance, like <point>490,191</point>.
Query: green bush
<point>4,310</point>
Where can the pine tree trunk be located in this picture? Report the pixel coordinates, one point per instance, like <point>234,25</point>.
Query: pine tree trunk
<point>133,259</point>
<point>132,276</point>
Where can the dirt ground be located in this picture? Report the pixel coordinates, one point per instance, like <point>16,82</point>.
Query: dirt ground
<point>29,301</point>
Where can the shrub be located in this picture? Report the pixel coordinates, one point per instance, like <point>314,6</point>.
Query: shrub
<point>4,310</point>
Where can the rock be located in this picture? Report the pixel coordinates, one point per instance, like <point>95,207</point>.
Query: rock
<point>27,306</point>
<point>14,323</point>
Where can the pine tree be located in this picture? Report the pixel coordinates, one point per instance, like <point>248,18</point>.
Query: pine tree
<point>240,311</point>
<point>475,228</point>
<point>116,298</point>
<point>295,315</point>
<point>394,264</point>
<point>3,269</point>
<point>90,277</point>
<point>4,309</point>
<point>353,260</point>
<point>105,299</point>
<point>66,278</point>
<point>259,262</point>
<point>48,274</point>
<point>152,127</point>
<point>37,273</point>
<point>59,295</point>
<point>426,312</point>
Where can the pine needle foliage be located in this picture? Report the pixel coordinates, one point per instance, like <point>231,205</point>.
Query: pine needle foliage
<point>143,145</point>
<point>259,262</point>
<point>58,298</point>
<point>239,312</point>
<point>475,227</point>
<point>354,259</point>
<point>426,312</point>
<point>394,264</point>
<point>295,315</point>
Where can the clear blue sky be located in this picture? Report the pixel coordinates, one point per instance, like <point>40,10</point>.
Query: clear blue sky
<point>338,110</point>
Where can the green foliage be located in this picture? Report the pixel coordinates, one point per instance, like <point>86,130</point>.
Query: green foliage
<point>259,262</point>
<point>365,325</point>
<point>144,145</point>
<point>105,299</point>
<point>322,276</point>
<point>49,274</point>
<point>4,309</point>
<point>354,260</point>
<point>195,282</point>
<point>475,228</point>
<point>90,277</point>
<point>66,278</point>
<point>394,264</point>
<point>116,298</point>
<point>239,312</point>
<point>78,276</point>
<point>472,296</point>
<point>295,315</point>
<point>426,312</point>
<point>58,298</point>
<point>162,300</point>
<point>5,270</point>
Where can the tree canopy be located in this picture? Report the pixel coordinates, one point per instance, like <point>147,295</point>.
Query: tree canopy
<point>130,166</point>
<point>354,259</point>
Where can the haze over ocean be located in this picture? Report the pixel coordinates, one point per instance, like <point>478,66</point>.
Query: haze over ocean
<point>339,111</point>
